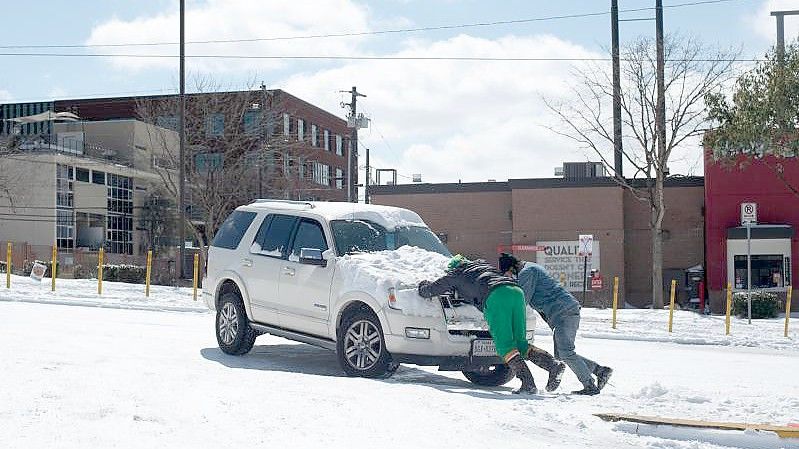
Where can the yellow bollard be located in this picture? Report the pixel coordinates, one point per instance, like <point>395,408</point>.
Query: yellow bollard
<point>671,302</point>
<point>53,264</point>
<point>729,306</point>
<point>615,299</point>
<point>100,271</point>
<point>149,270</point>
<point>196,272</point>
<point>788,308</point>
<point>8,265</point>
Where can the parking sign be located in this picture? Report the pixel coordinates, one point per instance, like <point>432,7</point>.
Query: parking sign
<point>586,244</point>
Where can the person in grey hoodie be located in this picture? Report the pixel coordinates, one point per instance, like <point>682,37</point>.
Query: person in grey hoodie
<point>562,312</point>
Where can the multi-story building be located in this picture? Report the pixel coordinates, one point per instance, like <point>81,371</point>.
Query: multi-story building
<point>299,142</point>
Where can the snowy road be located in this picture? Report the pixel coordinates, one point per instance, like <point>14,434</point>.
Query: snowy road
<point>80,377</point>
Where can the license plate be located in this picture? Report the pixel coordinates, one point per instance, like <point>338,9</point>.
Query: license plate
<point>484,348</point>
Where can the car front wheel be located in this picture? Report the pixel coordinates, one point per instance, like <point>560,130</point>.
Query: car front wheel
<point>361,348</point>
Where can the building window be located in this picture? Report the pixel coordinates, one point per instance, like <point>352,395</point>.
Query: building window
<point>326,136</point>
<point>82,174</point>
<point>252,121</point>
<point>215,125</point>
<point>119,229</point>
<point>300,129</point>
<point>300,168</point>
<point>286,124</point>
<point>339,178</point>
<point>321,174</point>
<point>98,177</point>
<point>339,145</point>
<point>65,214</point>
<point>314,137</point>
<point>768,271</point>
<point>167,121</point>
<point>286,164</point>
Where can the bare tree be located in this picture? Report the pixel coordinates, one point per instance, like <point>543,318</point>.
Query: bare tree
<point>235,151</point>
<point>692,71</point>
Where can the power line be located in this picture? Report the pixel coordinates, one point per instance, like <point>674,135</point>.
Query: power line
<point>366,33</point>
<point>362,58</point>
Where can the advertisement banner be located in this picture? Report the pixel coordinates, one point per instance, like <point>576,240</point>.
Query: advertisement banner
<point>562,261</point>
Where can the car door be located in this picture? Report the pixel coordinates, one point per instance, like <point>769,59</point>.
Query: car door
<point>305,289</point>
<point>267,257</point>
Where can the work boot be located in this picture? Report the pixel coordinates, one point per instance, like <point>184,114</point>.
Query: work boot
<point>588,390</point>
<point>603,374</point>
<point>520,369</point>
<point>544,360</point>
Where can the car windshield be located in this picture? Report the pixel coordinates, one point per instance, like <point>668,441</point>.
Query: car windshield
<point>363,236</point>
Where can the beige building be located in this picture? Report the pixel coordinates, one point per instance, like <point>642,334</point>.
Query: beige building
<point>85,190</point>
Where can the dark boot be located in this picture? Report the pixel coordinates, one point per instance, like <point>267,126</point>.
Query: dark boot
<point>544,360</point>
<point>588,390</point>
<point>520,369</point>
<point>603,374</point>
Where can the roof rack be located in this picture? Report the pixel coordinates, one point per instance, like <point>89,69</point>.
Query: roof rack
<point>298,203</point>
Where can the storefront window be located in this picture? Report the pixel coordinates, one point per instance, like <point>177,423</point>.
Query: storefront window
<point>767,271</point>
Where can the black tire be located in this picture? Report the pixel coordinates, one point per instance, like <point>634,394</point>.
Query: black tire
<point>496,376</point>
<point>358,328</point>
<point>233,331</point>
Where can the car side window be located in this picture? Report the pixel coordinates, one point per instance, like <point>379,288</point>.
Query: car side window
<point>309,235</point>
<point>233,229</point>
<point>273,236</point>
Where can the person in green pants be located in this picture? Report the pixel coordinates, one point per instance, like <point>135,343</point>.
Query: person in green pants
<point>503,306</point>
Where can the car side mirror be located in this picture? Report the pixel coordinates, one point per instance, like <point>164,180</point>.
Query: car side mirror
<point>312,256</point>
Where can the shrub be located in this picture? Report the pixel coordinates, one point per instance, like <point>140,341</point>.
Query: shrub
<point>131,274</point>
<point>764,304</point>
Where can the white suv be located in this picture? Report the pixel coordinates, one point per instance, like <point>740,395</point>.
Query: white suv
<point>277,267</point>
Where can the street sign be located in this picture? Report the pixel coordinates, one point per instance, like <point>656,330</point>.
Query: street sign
<point>586,245</point>
<point>748,213</point>
<point>596,282</point>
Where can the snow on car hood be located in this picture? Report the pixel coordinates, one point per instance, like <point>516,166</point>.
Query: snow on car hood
<point>403,268</point>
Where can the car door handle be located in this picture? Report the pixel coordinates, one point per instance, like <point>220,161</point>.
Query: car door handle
<point>288,271</point>
<point>246,262</point>
<point>320,306</point>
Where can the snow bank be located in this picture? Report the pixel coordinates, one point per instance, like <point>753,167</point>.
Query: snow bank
<point>117,295</point>
<point>403,269</point>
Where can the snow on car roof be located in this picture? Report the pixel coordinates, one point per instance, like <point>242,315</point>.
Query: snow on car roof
<point>387,216</point>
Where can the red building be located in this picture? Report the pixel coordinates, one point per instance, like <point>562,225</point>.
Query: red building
<point>774,240</point>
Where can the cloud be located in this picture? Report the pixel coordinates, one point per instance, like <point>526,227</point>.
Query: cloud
<point>235,19</point>
<point>451,120</point>
<point>766,25</point>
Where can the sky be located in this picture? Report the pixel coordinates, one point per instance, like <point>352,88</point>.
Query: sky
<point>445,120</point>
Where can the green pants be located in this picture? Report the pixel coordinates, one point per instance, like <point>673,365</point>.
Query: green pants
<point>506,313</point>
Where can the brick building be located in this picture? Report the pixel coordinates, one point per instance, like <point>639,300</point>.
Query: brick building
<point>476,219</point>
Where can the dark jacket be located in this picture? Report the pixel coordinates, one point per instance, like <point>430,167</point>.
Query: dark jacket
<point>545,294</point>
<point>473,281</point>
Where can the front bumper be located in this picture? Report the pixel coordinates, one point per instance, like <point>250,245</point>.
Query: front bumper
<point>449,351</point>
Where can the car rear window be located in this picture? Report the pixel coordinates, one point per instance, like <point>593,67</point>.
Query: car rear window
<point>233,229</point>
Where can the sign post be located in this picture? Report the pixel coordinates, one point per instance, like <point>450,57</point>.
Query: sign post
<point>748,218</point>
<point>586,247</point>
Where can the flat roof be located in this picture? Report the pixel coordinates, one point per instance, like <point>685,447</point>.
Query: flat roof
<point>530,183</point>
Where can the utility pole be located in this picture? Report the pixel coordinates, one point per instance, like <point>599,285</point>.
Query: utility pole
<point>352,154</point>
<point>182,151</point>
<point>780,15</point>
<point>264,146</point>
<point>367,179</point>
<point>614,38</point>
<point>660,108</point>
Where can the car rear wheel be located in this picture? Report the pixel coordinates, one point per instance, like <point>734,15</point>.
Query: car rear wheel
<point>495,376</point>
<point>233,331</point>
<point>361,348</point>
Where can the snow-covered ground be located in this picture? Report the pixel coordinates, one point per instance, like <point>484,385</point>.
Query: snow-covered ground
<point>78,377</point>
